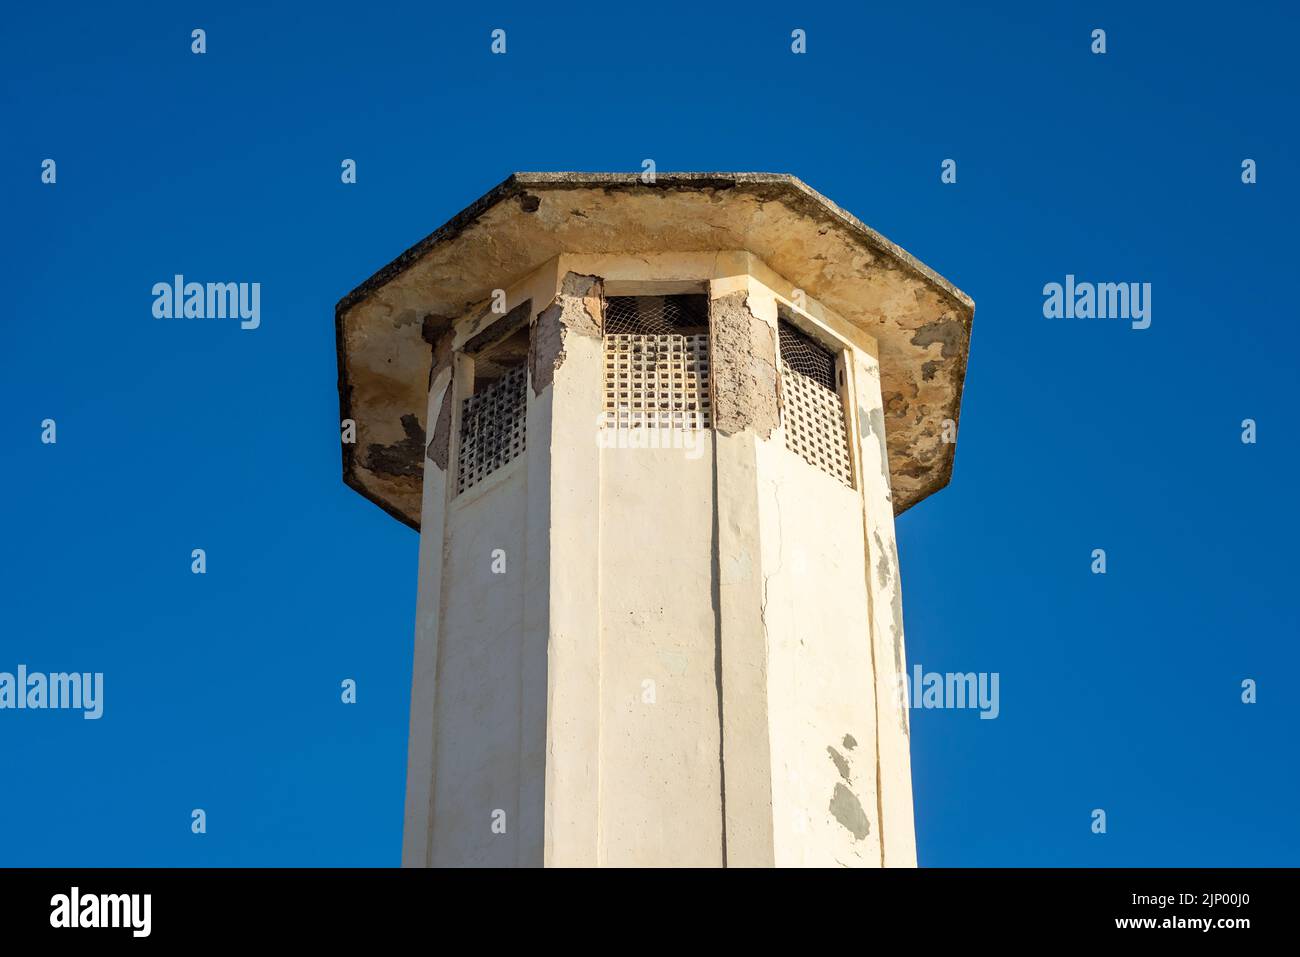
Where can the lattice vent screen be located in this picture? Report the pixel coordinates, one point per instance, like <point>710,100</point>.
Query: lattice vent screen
<point>657,362</point>
<point>814,413</point>
<point>492,428</point>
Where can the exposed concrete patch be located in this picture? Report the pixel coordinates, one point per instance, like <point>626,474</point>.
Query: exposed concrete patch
<point>745,381</point>
<point>405,317</point>
<point>439,450</point>
<point>841,764</point>
<point>850,742</point>
<point>847,809</point>
<point>400,458</point>
<point>579,308</point>
<point>546,347</point>
<point>948,332</point>
<point>589,293</point>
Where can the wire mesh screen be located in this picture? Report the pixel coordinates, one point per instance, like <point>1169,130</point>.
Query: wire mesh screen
<point>657,362</point>
<point>656,315</point>
<point>805,356</point>
<point>492,428</point>
<point>813,414</point>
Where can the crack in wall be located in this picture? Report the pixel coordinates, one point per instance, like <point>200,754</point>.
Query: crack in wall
<point>780,551</point>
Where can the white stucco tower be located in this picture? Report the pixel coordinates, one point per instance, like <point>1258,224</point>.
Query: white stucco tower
<point>654,437</point>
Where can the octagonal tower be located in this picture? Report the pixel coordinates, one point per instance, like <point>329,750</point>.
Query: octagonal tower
<point>654,437</point>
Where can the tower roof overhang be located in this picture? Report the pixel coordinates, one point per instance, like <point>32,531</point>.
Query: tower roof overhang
<point>921,322</point>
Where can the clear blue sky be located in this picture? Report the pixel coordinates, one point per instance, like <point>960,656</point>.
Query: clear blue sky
<point>1119,692</point>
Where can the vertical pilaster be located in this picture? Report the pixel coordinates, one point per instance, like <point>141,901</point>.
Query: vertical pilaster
<point>565,358</point>
<point>744,403</point>
<point>893,731</point>
<point>417,827</point>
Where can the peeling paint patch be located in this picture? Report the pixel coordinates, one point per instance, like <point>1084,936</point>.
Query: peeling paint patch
<point>850,742</point>
<point>841,764</point>
<point>882,563</point>
<point>872,422</point>
<point>896,600</point>
<point>400,458</point>
<point>887,576</point>
<point>847,809</point>
<point>895,404</point>
<point>949,333</point>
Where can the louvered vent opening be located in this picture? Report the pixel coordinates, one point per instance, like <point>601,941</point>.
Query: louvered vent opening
<point>813,414</point>
<point>657,362</point>
<point>493,419</point>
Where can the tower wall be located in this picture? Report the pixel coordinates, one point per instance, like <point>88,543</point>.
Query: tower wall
<point>660,742</point>
<point>690,657</point>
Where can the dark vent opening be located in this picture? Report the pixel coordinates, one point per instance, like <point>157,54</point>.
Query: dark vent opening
<point>805,355</point>
<point>683,315</point>
<point>498,360</point>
